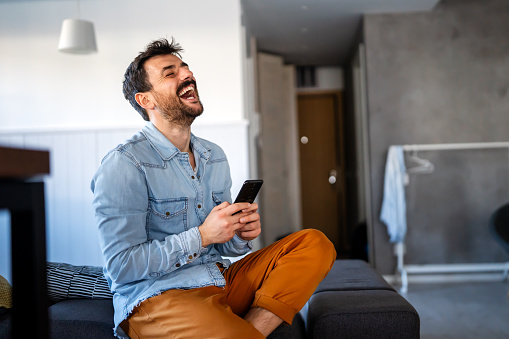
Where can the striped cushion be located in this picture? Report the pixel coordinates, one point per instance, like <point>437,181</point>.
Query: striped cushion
<point>67,281</point>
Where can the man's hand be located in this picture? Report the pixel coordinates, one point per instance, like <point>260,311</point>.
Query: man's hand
<point>220,225</point>
<point>252,228</point>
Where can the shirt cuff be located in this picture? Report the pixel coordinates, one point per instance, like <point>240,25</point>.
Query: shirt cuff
<point>191,244</point>
<point>240,243</point>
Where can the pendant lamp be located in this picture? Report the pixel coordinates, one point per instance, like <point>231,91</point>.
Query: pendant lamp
<point>77,36</point>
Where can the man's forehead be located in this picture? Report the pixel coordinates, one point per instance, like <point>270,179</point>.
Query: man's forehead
<point>159,62</point>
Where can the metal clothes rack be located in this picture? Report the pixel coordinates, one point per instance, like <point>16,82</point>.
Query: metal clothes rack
<point>399,248</point>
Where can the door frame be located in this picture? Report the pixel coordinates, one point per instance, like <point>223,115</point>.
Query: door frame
<point>359,70</point>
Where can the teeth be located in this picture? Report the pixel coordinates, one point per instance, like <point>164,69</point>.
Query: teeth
<point>185,90</point>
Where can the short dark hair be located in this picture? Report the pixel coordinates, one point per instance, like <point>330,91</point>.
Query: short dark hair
<point>135,77</point>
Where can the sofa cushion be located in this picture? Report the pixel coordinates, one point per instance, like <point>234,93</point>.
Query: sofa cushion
<point>67,281</point>
<point>86,318</point>
<point>352,275</point>
<point>81,318</point>
<point>5,324</point>
<point>361,314</point>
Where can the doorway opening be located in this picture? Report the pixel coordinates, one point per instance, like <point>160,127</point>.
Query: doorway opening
<point>322,156</point>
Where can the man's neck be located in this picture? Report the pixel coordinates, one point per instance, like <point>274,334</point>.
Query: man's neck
<point>179,136</point>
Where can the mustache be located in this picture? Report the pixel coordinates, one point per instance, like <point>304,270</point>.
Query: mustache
<point>185,84</point>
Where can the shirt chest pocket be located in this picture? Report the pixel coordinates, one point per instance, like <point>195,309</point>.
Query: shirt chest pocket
<point>166,216</point>
<point>217,197</point>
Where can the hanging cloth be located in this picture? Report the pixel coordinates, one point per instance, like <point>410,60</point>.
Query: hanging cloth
<point>393,212</point>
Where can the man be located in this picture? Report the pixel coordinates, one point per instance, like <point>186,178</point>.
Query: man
<point>162,204</point>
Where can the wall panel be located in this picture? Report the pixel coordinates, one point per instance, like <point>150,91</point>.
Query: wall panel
<point>74,158</point>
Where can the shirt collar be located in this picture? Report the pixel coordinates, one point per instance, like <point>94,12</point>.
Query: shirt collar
<point>166,149</point>
<point>199,148</point>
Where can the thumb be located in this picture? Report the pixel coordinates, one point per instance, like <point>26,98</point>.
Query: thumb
<point>238,226</point>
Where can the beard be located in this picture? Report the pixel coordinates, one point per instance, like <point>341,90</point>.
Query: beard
<point>175,111</point>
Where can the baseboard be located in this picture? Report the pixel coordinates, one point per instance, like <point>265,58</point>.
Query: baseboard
<point>445,278</point>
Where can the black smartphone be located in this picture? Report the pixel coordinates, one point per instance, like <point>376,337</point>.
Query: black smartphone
<point>249,191</point>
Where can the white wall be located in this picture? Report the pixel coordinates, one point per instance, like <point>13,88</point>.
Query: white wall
<point>327,78</point>
<point>330,78</point>
<point>58,101</point>
<point>40,86</point>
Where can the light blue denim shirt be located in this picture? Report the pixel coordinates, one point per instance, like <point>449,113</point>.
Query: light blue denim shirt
<point>148,203</point>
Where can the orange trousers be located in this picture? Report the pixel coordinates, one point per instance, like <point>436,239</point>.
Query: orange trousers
<point>279,278</point>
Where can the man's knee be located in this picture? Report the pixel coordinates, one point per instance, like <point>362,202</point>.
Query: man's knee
<point>319,245</point>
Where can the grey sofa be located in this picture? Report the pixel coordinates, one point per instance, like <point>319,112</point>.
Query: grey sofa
<point>353,301</point>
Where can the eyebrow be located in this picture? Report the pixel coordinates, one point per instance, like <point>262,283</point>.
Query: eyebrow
<point>183,64</point>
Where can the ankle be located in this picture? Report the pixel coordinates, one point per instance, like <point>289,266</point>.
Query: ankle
<point>263,320</point>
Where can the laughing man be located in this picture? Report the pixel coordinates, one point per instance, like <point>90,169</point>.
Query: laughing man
<point>165,218</point>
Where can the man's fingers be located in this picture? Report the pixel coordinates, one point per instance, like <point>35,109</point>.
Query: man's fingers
<point>238,226</point>
<point>252,207</point>
<point>249,235</point>
<point>249,217</point>
<point>234,208</point>
<point>221,206</point>
<point>247,228</point>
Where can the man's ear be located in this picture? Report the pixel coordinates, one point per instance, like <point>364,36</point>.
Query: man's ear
<point>145,100</point>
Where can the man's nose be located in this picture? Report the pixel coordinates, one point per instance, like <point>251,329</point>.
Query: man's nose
<point>185,74</point>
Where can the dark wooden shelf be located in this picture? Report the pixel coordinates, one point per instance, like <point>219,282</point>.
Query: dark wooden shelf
<point>23,163</point>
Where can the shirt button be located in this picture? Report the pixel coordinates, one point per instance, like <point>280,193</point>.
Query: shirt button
<point>199,206</point>
<point>190,257</point>
<point>192,176</point>
<point>195,254</point>
<point>198,177</point>
<point>167,213</point>
<point>178,265</point>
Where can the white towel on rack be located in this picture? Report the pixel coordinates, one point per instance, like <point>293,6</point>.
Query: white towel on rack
<point>394,204</point>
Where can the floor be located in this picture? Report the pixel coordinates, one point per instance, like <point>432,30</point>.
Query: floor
<point>462,310</point>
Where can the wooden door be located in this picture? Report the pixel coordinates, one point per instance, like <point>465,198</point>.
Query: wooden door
<point>321,165</point>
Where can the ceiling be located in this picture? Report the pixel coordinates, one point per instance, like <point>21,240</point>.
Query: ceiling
<point>312,32</point>
<point>315,32</point>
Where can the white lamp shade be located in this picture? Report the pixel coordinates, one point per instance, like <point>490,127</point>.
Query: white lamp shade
<point>77,37</point>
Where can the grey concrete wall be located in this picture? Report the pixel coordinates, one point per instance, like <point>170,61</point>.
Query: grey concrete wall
<point>441,77</point>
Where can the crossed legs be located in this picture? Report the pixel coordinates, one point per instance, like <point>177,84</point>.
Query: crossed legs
<point>262,290</point>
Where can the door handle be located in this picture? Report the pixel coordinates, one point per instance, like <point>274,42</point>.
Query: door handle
<point>332,177</point>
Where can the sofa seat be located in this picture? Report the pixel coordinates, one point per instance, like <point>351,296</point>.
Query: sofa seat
<point>81,318</point>
<point>361,314</point>
<point>84,319</point>
<point>353,302</point>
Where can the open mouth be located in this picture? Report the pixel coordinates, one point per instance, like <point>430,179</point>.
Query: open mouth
<point>188,93</point>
